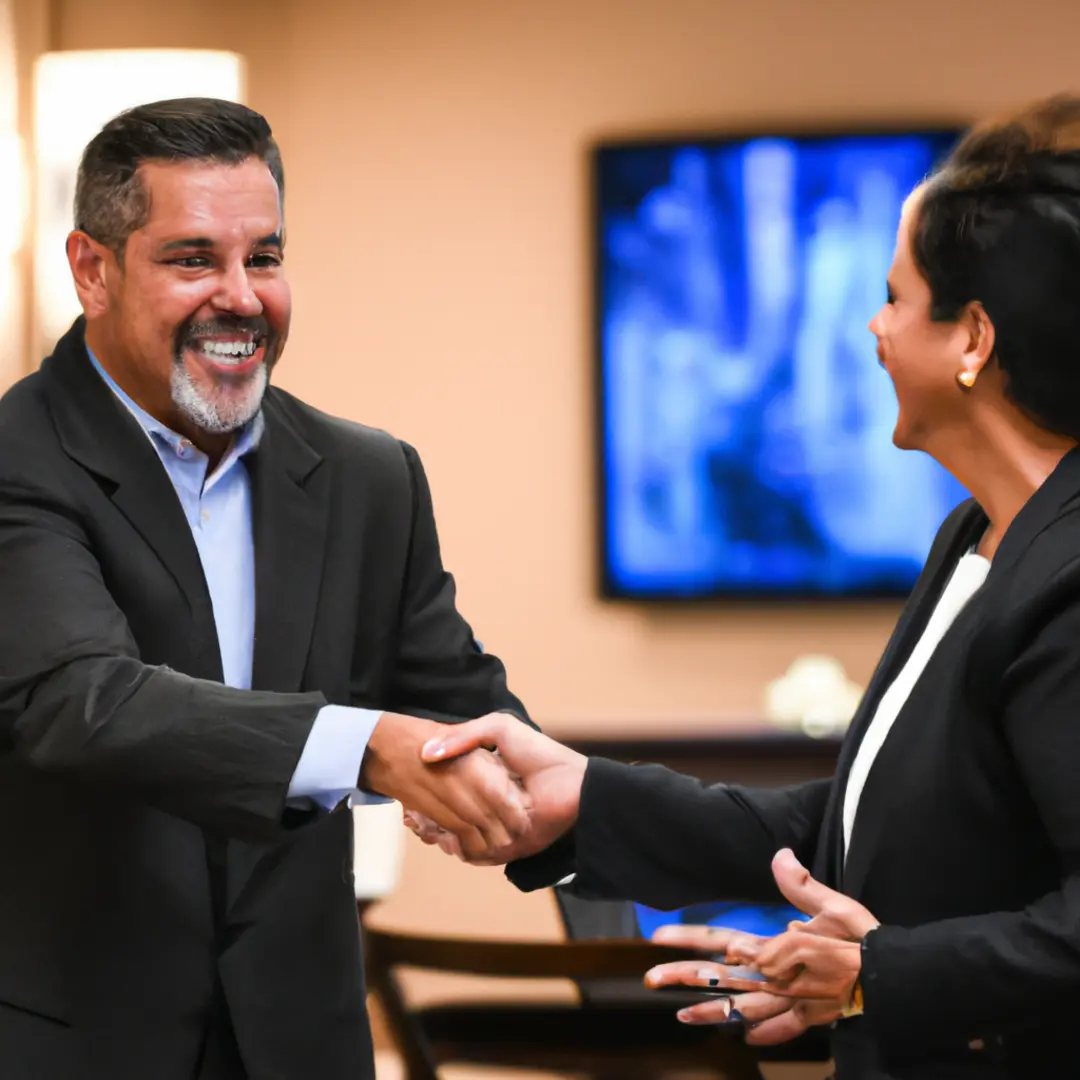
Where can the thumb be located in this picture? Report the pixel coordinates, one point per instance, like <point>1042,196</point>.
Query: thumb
<point>462,738</point>
<point>798,887</point>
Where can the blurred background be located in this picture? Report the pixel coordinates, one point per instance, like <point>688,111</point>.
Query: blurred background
<point>466,273</point>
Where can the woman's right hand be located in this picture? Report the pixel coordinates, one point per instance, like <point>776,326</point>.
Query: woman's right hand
<point>770,1018</point>
<point>550,773</point>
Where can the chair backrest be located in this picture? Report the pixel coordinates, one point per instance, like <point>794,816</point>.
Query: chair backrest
<point>595,920</point>
<point>579,961</point>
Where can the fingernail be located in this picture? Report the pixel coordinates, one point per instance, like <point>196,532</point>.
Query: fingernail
<point>687,1015</point>
<point>433,749</point>
<point>709,978</point>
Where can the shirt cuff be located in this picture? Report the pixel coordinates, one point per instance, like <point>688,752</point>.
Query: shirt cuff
<point>329,766</point>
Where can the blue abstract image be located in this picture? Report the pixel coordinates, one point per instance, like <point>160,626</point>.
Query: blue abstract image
<point>764,919</point>
<point>746,435</point>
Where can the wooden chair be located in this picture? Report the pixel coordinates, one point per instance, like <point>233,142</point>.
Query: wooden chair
<point>604,1041</point>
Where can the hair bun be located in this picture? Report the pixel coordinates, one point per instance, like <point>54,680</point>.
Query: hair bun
<point>1034,152</point>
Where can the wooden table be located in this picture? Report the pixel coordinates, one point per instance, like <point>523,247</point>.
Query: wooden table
<point>745,755</point>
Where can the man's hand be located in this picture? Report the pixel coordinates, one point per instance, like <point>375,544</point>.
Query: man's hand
<point>550,773</point>
<point>473,796</point>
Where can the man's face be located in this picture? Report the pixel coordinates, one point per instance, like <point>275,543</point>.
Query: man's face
<point>198,316</point>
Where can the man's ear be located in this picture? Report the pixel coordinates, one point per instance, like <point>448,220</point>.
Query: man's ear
<point>92,264</point>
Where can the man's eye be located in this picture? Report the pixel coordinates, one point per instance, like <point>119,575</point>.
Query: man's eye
<point>193,262</point>
<point>266,259</point>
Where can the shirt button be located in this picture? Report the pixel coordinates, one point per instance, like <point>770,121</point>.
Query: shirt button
<point>205,515</point>
<point>185,446</point>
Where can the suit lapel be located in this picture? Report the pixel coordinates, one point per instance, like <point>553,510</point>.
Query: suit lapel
<point>290,492</point>
<point>875,804</point>
<point>961,531</point>
<point>98,432</point>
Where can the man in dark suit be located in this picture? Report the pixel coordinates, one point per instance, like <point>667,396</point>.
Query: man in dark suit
<point>224,616</point>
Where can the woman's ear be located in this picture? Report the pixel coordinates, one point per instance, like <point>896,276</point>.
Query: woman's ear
<point>978,339</point>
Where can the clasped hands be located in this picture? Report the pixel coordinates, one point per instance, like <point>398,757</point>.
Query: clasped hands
<point>488,791</point>
<point>499,790</point>
<point>781,985</point>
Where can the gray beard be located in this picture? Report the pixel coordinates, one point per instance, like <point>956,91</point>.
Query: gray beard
<point>217,417</point>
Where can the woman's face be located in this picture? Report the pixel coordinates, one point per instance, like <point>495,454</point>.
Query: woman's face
<point>922,357</point>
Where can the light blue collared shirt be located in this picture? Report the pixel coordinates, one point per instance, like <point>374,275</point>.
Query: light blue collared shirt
<point>218,509</point>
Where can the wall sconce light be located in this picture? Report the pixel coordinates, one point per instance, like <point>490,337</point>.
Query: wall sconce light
<point>75,93</point>
<point>12,194</point>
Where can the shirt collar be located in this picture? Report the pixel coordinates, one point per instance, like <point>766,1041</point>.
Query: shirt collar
<point>244,441</point>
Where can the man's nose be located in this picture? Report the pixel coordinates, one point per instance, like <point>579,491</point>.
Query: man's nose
<point>235,293</point>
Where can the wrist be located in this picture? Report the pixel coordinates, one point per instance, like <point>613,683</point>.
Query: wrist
<point>394,736</point>
<point>856,1004</point>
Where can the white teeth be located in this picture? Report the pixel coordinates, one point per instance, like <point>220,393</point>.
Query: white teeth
<point>229,350</point>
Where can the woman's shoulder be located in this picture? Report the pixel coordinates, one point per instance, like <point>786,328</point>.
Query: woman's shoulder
<point>1039,587</point>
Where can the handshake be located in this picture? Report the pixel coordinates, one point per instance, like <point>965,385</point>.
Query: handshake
<point>494,789</point>
<point>488,791</point>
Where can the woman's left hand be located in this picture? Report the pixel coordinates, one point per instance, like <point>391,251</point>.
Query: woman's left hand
<point>794,964</point>
<point>819,960</point>
<point>804,965</point>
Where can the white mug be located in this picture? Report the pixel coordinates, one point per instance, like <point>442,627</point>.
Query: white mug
<point>378,846</point>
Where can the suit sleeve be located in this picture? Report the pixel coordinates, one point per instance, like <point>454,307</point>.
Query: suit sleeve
<point>440,671</point>
<point>76,700</point>
<point>988,972</point>
<point>648,834</point>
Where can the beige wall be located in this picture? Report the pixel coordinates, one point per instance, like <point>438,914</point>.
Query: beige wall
<point>438,248</point>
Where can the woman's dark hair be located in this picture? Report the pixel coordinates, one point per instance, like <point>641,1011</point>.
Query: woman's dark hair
<point>1000,224</point>
<point>110,199</point>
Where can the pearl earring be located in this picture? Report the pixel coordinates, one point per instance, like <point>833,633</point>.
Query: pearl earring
<point>966,379</point>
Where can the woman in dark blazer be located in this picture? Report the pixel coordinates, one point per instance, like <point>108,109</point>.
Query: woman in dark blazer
<point>947,846</point>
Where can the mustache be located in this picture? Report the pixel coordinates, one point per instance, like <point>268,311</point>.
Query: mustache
<point>256,326</point>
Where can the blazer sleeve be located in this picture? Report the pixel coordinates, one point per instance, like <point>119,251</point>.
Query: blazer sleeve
<point>440,671</point>
<point>648,834</point>
<point>992,973</point>
<point>76,700</point>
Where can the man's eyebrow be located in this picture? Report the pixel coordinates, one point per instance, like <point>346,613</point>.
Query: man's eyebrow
<point>188,242</point>
<point>202,242</point>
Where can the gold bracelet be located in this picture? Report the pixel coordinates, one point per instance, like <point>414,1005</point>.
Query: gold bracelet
<point>855,1006</point>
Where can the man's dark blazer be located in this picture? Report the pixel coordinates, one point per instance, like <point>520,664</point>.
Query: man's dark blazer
<point>967,841</point>
<point>153,882</point>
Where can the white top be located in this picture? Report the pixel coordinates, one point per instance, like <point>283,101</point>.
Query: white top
<point>966,579</point>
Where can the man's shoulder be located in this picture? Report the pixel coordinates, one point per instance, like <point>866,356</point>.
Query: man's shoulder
<point>21,401</point>
<point>25,421</point>
<point>344,441</point>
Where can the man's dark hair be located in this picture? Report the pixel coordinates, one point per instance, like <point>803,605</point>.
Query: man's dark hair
<point>1000,224</point>
<point>111,201</point>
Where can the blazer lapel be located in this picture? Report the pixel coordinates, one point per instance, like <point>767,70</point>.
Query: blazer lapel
<point>290,491</point>
<point>1060,489</point>
<point>965,527</point>
<point>98,432</point>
